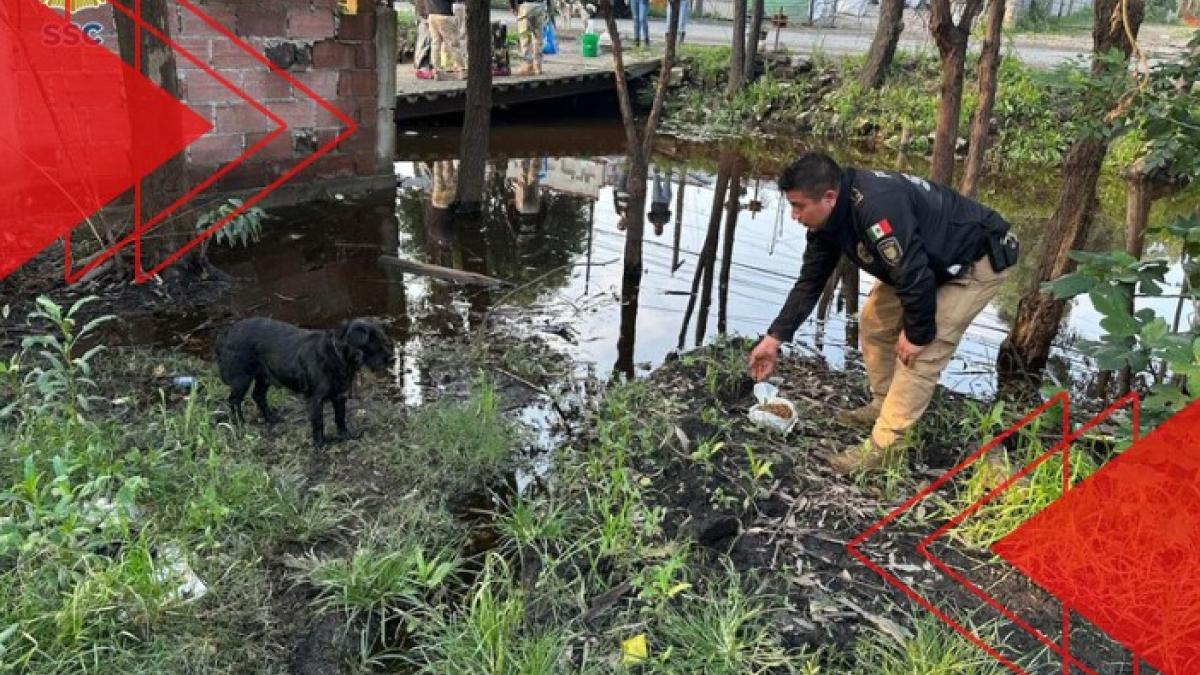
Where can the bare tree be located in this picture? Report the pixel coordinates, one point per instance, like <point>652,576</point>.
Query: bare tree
<point>168,182</point>
<point>951,38</point>
<point>640,145</point>
<point>883,45</point>
<point>737,59</point>
<point>732,207</point>
<point>477,117</point>
<point>756,23</point>
<point>708,251</point>
<point>989,64</point>
<point>1024,353</point>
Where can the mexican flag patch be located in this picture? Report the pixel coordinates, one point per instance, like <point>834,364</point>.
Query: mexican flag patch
<point>879,230</point>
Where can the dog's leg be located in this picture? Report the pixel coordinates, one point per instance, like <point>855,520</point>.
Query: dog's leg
<point>339,418</point>
<point>261,385</point>
<point>316,415</point>
<point>237,393</point>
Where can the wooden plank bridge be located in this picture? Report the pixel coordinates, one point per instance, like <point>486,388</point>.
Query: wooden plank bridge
<point>564,75</point>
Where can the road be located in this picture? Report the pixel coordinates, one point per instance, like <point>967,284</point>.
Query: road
<point>1041,52</point>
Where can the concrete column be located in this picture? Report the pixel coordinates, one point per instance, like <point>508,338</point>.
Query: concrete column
<point>385,63</point>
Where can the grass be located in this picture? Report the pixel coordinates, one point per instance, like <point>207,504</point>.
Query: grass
<point>90,504</point>
<point>931,649</point>
<point>719,633</point>
<point>1020,501</point>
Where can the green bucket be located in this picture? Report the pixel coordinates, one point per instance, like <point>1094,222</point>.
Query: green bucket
<point>590,44</point>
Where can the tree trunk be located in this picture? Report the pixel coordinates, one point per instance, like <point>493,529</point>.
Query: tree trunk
<point>731,215</point>
<point>1142,188</point>
<point>708,254</point>
<point>709,249</point>
<point>678,220</point>
<point>477,117</point>
<point>1023,354</point>
<point>989,64</point>
<point>638,149</point>
<point>951,39</point>
<point>756,22</point>
<point>168,182</point>
<point>737,59</point>
<point>883,45</point>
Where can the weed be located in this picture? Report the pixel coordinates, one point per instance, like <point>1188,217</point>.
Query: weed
<point>721,633</point>
<point>932,648</point>
<point>760,468</point>
<point>1020,501</point>
<point>706,450</point>
<point>65,378</point>
<point>489,634</point>
<point>468,440</point>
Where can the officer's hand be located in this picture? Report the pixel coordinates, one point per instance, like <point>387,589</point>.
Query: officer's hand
<point>763,358</point>
<point>906,351</point>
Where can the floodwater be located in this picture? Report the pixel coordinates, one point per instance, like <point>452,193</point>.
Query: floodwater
<point>551,228</point>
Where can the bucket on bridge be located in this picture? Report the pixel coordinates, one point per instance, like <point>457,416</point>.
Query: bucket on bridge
<point>589,44</point>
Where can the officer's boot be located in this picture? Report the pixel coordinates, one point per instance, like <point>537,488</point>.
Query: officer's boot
<point>862,417</point>
<point>858,458</point>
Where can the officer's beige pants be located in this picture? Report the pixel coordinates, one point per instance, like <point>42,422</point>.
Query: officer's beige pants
<point>907,390</point>
<point>531,17</point>
<point>443,35</point>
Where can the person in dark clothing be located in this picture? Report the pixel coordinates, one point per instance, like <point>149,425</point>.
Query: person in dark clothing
<point>660,202</point>
<point>939,258</point>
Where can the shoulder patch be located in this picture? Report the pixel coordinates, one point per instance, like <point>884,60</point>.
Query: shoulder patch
<point>864,255</point>
<point>889,248</point>
<point>856,196</point>
<point>879,230</point>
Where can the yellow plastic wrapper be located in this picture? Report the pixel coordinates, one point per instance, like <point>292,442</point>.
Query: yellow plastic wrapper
<point>634,650</point>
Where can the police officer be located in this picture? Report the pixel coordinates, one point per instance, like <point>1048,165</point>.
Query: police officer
<point>939,258</point>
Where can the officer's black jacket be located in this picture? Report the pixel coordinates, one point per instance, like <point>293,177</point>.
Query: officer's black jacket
<point>905,231</point>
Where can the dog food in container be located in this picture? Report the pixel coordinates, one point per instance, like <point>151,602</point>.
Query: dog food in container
<point>772,411</point>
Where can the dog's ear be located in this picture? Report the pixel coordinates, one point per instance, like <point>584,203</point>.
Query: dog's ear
<point>358,334</point>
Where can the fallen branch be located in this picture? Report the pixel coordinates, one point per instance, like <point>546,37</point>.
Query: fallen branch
<point>445,273</point>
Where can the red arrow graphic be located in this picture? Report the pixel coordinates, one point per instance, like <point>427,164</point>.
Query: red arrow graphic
<point>1122,548</point>
<point>82,127</point>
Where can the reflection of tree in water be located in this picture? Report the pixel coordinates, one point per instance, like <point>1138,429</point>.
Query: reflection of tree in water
<point>525,234</point>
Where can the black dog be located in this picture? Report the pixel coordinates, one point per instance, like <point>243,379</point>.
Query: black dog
<point>318,364</point>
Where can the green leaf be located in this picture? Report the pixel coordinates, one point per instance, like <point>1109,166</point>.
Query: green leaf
<point>1165,398</point>
<point>1119,326</point>
<point>94,323</point>
<point>1153,333</point>
<point>1110,300</point>
<point>1071,285</point>
<point>1111,358</point>
<point>80,303</point>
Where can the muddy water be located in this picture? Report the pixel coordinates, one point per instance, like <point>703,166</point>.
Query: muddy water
<point>552,229</point>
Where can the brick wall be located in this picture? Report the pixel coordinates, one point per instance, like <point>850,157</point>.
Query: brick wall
<point>331,54</point>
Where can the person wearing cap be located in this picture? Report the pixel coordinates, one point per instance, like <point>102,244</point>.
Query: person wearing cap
<point>938,258</point>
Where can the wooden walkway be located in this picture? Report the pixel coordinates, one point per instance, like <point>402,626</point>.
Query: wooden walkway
<point>563,75</point>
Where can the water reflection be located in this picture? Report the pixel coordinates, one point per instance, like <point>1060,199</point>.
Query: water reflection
<point>552,226</point>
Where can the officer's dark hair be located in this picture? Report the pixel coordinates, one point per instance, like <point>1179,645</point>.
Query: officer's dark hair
<point>812,173</point>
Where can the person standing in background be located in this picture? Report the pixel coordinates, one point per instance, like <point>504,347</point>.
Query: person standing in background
<point>443,33</point>
<point>531,20</point>
<point>422,61</point>
<point>684,10</point>
<point>641,21</point>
